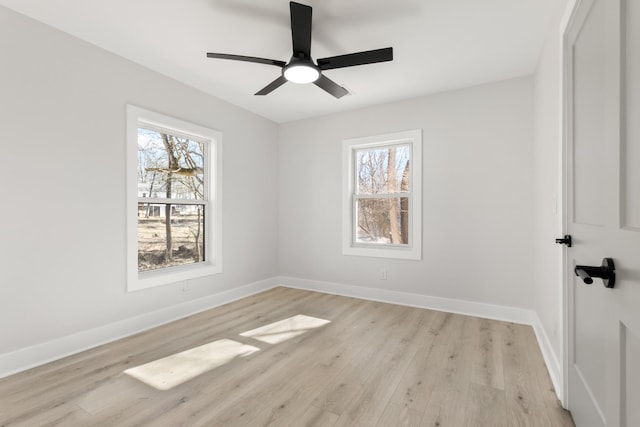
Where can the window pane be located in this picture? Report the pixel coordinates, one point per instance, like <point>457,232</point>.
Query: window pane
<point>185,244</point>
<point>169,166</point>
<point>383,220</point>
<point>382,170</point>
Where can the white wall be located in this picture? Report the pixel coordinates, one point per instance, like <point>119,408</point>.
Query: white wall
<point>477,195</point>
<point>62,139</point>
<point>547,176</point>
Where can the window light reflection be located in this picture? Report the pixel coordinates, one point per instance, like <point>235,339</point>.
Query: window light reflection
<point>285,329</point>
<point>170,371</point>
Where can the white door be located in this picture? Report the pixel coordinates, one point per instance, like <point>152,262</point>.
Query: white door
<point>602,88</point>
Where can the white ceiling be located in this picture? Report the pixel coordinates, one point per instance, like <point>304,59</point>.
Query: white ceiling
<point>438,44</point>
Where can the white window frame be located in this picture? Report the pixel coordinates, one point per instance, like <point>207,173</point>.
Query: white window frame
<point>212,264</point>
<point>412,250</point>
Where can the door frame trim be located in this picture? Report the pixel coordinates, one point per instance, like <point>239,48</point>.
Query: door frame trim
<point>572,11</point>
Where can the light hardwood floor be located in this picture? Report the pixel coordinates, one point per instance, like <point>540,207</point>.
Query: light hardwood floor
<point>374,364</point>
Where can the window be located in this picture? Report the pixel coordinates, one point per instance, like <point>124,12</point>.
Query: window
<point>173,200</point>
<point>382,196</point>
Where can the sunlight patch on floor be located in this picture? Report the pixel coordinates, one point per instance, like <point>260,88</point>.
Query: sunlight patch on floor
<point>170,371</point>
<point>283,330</point>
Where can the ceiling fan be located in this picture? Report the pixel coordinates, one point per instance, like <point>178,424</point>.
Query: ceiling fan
<point>301,68</point>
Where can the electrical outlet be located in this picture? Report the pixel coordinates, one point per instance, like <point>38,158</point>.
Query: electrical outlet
<point>383,274</point>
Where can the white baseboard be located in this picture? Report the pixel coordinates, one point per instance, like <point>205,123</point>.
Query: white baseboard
<point>550,357</point>
<point>478,309</point>
<point>40,354</point>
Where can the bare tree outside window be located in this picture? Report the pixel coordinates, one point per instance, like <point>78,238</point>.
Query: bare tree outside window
<point>382,190</point>
<point>171,202</point>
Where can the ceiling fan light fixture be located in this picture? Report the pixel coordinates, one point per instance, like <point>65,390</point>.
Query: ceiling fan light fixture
<point>301,73</point>
<point>301,68</point>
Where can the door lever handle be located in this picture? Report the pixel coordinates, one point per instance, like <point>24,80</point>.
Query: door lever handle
<point>606,272</point>
<point>566,240</point>
<point>585,273</point>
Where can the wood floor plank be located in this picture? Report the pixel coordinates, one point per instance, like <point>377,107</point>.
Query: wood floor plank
<point>558,416</point>
<point>66,414</point>
<point>356,363</point>
<point>446,406</point>
<point>367,406</point>
<point>415,385</point>
<point>116,392</point>
<point>486,407</point>
<point>400,416</point>
<point>525,405</point>
<point>358,359</point>
<point>486,353</point>
<point>294,396</point>
<point>274,401</point>
<point>314,417</point>
<point>448,378</point>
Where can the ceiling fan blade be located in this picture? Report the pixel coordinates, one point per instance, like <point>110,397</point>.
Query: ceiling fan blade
<point>330,86</point>
<point>301,30</point>
<point>272,86</point>
<point>247,59</point>
<point>359,58</point>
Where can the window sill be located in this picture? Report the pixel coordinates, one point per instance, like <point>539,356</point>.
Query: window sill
<point>165,276</point>
<point>383,252</point>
